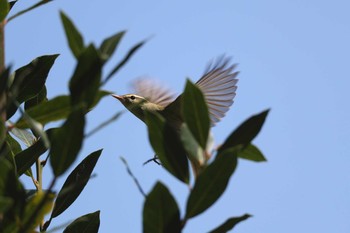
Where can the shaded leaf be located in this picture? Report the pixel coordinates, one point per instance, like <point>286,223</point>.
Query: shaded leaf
<point>246,132</point>
<point>29,9</point>
<point>166,143</point>
<point>75,40</point>
<point>211,183</point>
<point>229,224</point>
<point>26,158</point>
<point>195,113</point>
<point>109,45</point>
<point>75,183</point>
<point>66,142</point>
<point>39,98</point>
<point>252,153</point>
<point>4,9</point>
<point>29,80</point>
<point>160,211</point>
<point>5,204</point>
<point>88,223</point>
<point>85,82</point>
<point>32,215</point>
<point>124,61</point>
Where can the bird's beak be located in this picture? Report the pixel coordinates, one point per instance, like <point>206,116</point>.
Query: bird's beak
<point>118,97</point>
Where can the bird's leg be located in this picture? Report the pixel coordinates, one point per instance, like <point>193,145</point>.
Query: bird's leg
<point>154,159</point>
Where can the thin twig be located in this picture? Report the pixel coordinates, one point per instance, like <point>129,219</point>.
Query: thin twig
<point>132,176</point>
<point>103,124</point>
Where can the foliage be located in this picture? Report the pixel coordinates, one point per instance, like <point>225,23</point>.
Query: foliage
<point>24,91</point>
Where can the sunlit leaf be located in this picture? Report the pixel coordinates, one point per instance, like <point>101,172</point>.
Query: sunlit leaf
<point>211,183</point>
<point>251,153</point>
<point>75,40</point>
<point>195,113</point>
<point>25,136</point>
<point>192,147</point>
<point>246,132</point>
<point>66,142</point>
<point>160,211</point>
<point>167,146</point>
<point>229,224</point>
<point>88,223</point>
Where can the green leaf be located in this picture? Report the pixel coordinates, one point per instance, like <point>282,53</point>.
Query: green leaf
<point>246,132</point>
<point>39,98</point>
<point>251,153</point>
<point>75,40</point>
<point>109,45</point>
<point>12,145</point>
<point>124,61</point>
<point>193,149</point>
<point>26,158</point>
<point>168,147</point>
<point>85,83</point>
<point>66,142</point>
<point>5,204</point>
<point>55,109</point>
<point>230,224</point>
<point>88,223</point>
<point>4,9</point>
<point>160,211</point>
<point>211,183</point>
<point>29,80</point>
<point>29,9</point>
<point>75,183</point>
<point>195,113</point>
<point>32,206</point>
<point>25,136</point>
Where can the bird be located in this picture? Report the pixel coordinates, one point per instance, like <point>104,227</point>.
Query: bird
<point>218,85</point>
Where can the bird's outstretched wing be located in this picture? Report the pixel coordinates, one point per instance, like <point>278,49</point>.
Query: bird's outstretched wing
<point>218,85</point>
<point>153,91</point>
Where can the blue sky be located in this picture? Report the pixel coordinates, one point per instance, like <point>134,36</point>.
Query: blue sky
<point>293,57</point>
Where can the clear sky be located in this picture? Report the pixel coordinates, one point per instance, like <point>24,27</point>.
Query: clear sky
<point>293,57</point>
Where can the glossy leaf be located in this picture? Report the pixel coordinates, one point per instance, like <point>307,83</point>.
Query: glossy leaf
<point>55,109</point>
<point>66,142</point>
<point>124,61</point>
<point>166,144</point>
<point>75,40</point>
<point>29,80</point>
<point>88,223</point>
<point>246,132</point>
<point>75,183</point>
<point>39,98</point>
<point>160,211</point>
<point>229,224</point>
<point>195,113</point>
<point>25,136</point>
<point>251,153</point>
<point>109,45</point>
<point>29,9</point>
<point>4,9</point>
<point>26,158</point>
<point>32,216</point>
<point>211,183</point>
<point>85,83</point>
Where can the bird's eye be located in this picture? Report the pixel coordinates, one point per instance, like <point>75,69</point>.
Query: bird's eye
<point>132,97</point>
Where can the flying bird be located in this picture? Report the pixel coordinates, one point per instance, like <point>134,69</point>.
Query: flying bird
<point>218,85</point>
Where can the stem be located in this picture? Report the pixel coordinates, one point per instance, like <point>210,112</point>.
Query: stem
<point>39,175</point>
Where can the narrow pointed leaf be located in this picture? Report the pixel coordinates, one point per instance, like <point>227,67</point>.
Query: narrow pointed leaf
<point>4,9</point>
<point>252,153</point>
<point>195,113</point>
<point>85,83</point>
<point>66,142</point>
<point>28,9</point>
<point>26,158</point>
<point>109,45</point>
<point>246,132</point>
<point>229,224</point>
<point>88,223</point>
<point>75,183</point>
<point>75,40</point>
<point>211,183</point>
<point>29,80</point>
<point>160,211</point>
<point>167,146</point>
<point>124,61</point>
